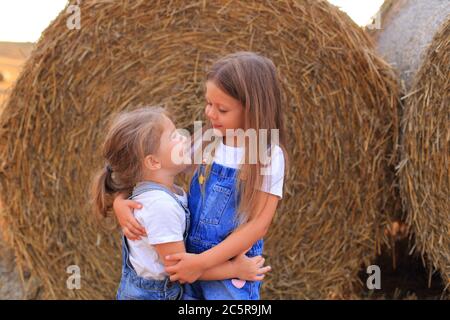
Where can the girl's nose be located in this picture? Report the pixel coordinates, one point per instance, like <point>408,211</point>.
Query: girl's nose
<point>210,113</point>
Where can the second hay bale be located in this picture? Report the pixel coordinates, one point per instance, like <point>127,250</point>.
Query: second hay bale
<point>425,166</point>
<point>414,38</point>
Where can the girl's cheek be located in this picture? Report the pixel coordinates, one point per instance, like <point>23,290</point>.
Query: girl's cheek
<point>177,152</point>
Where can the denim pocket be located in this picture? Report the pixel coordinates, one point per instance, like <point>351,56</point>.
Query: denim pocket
<point>174,293</point>
<point>215,204</point>
<point>132,292</point>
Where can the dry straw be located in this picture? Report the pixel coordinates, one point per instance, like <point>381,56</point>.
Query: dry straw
<point>341,110</point>
<point>425,165</point>
<point>414,38</point>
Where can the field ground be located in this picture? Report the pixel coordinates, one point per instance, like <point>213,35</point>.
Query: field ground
<point>10,283</point>
<point>12,57</point>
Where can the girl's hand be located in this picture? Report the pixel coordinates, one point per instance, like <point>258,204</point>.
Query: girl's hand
<point>123,210</point>
<point>188,269</point>
<point>250,269</point>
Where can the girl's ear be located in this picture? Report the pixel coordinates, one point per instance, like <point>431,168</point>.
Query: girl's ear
<point>152,163</point>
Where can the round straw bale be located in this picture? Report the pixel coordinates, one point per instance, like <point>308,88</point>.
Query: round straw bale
<point>340,105</point>
<point>425,166</point>
<point>414,39</point>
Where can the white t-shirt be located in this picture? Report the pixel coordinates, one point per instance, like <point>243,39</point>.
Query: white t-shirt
<point>274,175</point>
<point>164,221</point>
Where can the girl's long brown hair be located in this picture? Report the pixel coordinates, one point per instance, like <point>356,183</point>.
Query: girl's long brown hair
<point>252,80</point>
<point>131,137</point>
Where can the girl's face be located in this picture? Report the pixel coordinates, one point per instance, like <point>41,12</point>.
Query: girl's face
<point>173,150</point>
<point>222,110</point>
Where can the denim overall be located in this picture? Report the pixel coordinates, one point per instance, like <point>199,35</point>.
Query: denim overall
<point>213,218</point>
<point>134,287</point>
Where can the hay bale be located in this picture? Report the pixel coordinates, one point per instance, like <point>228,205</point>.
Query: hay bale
<point>407,29</point>
<point>425,167</point>
<point>340,104</point>
<point>413,38</point>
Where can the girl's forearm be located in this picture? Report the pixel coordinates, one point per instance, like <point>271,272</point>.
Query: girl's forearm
<point>223,271</point>
<point>240,240</point>
<point>243,237</point>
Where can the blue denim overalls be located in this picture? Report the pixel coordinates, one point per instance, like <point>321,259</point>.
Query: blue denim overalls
<point>213,218</point>
<point>134,287</point>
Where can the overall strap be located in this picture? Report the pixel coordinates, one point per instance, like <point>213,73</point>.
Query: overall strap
<point>149,186</point>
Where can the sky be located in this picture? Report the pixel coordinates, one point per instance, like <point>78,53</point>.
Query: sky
<point>361,11</point>
<point>24,20</point>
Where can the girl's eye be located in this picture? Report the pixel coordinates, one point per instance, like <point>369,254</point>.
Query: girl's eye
<point>222,111</point>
